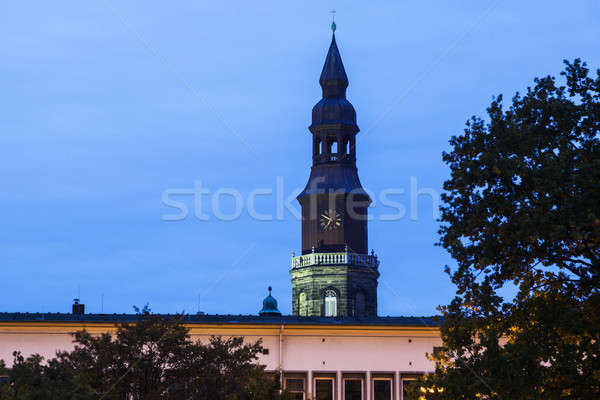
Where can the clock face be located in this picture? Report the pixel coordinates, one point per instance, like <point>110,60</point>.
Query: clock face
<point>330,220</point>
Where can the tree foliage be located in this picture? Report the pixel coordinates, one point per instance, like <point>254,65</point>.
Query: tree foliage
<point>151,359</point>
<point>521,214</point>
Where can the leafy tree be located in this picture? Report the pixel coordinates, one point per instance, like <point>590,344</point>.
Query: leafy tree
<point>153,358</point>
<point>522,214</point>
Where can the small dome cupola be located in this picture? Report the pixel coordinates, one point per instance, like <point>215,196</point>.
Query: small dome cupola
<point>269,306</point>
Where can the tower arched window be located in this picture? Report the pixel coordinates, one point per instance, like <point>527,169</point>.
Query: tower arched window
<point>330,303</point>
<point>302,305</point>
<point>359,304</point>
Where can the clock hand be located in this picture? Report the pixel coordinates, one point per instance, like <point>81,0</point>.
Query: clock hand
<point>325,216</point>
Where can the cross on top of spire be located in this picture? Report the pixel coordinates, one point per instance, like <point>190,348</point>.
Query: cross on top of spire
<point>333,26</point>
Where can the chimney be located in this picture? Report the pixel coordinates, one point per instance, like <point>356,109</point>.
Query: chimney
<point>78,309</point>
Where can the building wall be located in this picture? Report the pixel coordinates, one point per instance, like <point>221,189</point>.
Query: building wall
<point>301,351</point>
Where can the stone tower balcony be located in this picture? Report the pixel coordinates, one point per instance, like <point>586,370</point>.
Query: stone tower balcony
<point>339,258</point>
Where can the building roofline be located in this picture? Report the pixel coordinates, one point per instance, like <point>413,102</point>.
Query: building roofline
<point>191,319</point>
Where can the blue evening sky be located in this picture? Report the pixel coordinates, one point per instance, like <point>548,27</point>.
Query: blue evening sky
<point>105,105</point>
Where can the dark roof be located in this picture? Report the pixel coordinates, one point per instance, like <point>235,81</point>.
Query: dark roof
<point>224,319</point>
<point>325,179</point>
<point>333,73</point>
<point>336,110</point>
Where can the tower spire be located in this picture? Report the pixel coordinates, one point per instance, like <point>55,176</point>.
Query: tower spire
<point>334,115</point>
<point>333,80</point>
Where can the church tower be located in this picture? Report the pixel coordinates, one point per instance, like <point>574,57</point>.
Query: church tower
<point>334,275</point>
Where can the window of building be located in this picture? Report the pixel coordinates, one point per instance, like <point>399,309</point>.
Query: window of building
<point>330,303</point>
<point>359,304</point>
<point>408,384</point>
<point>302,304</point>
<point>382,389</point>
<point>353,389</point>
<point>295,387</point>
<point>324,389</point>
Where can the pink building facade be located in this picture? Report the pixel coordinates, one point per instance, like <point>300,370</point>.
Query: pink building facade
<point>319,358</point>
